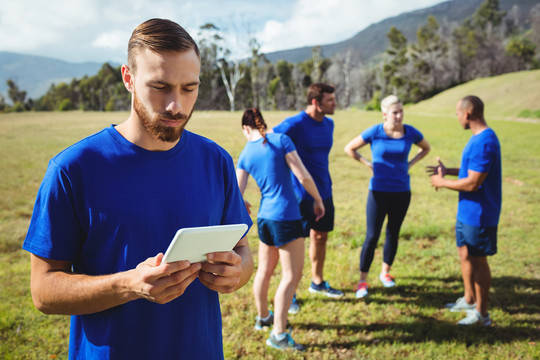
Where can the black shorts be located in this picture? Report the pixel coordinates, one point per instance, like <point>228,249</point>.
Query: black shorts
<point>326,224</point>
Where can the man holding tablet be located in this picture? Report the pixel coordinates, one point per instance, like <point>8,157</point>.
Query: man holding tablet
<point>108,204</point>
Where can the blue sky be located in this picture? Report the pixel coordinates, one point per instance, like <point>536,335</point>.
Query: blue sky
<point>98,30</point>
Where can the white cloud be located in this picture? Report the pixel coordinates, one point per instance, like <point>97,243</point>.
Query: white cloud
<point>114,40</point>
<point>98,30</point>
<point>319,22</point>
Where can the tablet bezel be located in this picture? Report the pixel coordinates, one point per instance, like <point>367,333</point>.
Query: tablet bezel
<point>194,243</point>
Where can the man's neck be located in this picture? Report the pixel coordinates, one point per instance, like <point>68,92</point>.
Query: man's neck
<point>477,126</point>
<point>314,114</point>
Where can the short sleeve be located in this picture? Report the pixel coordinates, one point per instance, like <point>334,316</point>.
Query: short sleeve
<point>369,134</point>
<point>55,231</point>
<point>287,144</point>
<point>416,135</point>
<point>482,157</point>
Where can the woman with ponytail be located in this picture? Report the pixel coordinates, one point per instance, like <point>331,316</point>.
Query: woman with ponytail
<point>269,159</point>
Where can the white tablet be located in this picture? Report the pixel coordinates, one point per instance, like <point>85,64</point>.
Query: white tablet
<point>194,243</point>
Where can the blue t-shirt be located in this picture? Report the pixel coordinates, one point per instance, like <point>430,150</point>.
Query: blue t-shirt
<point>482,154</point>
<point>313,140</point>
<point>267,164</point>
<point>106,205</point>
<point>390,158</point>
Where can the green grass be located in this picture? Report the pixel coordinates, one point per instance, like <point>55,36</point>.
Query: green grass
<point>506,96</point>
<point>404,322</point>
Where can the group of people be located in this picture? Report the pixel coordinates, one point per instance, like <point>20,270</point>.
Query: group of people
<point>109,204</point>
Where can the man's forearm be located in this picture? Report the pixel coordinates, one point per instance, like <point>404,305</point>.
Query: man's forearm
<point>64,293</point>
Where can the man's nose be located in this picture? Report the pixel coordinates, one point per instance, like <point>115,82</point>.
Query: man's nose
<point>174,104</point>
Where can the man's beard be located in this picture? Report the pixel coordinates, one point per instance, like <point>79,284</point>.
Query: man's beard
<point>152,122</point>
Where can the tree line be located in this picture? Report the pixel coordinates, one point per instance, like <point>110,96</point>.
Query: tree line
<point>488,43</point>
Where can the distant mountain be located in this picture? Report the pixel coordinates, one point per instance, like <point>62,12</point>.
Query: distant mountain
<point>372,41</point>
<point>35,74</point>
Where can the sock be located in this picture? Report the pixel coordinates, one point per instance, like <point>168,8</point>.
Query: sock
<point>279,337</point>
<point>267,318</point>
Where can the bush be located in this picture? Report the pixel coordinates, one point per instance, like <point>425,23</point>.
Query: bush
<point>18,107</point>
<point>375,103</point>
<point>529,114</point>
<point>66,105</point>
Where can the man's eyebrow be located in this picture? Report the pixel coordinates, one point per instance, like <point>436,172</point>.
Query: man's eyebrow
<point>165,83</point>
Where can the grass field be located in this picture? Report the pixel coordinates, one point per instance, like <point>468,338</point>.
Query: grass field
<point>403,322</point>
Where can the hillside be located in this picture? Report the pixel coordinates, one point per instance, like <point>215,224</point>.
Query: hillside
<point>505,96</point>
<point>372,41</point>
<point>35,74</point>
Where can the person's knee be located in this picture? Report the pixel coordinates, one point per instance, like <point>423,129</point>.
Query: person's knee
<point>264,273</point>
<point>319,237</point>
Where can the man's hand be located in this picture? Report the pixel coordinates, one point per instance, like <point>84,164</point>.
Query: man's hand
<point>222,271</point>
<point>318,210</point>
<point>433,170</point>
<point>248,206</point>
<point>163,282</point>
<point>437,179</point>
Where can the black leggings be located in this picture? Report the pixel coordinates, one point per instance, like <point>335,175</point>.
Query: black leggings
<point>380,204</point>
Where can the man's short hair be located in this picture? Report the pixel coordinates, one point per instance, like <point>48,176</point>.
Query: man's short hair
<point>474,105</point>
<point>316,91</point>
<point>159,35</point>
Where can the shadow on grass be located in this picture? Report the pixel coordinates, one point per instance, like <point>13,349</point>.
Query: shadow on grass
<point>511,295</point>
<point>424,329</point>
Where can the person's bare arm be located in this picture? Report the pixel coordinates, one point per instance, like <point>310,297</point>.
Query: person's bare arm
<point>471,183</point>
<point>228,271</point>
<point>352,150</point>
<point>434,169</point>
<point>304,177</point>
<point>242,177</point>
<point>57,290</point>
<point>422,152</point>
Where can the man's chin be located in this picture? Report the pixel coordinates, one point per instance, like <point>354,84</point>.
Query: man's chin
<point>169,135</point>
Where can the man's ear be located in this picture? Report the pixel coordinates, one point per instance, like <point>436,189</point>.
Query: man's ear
<point>127,78</point>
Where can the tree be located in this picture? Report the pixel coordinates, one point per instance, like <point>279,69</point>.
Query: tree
<point>465,47</point>
<point>218,55</point>
<point>231,74</point>
<point>522,49</point>
<point>16,95</point>
<point>429,50</point>
<point>394,68</point>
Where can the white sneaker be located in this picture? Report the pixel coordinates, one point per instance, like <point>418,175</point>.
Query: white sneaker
<point>460,305</point>
<point>361,290</point>
<point>474,317</point>
<point>387,280</point>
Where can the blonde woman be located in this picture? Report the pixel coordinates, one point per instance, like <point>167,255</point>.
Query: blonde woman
<point>389,189</point>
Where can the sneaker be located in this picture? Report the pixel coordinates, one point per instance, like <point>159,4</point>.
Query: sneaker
<point>460,305</point>
<point>361,290</point>
<point>326,289</point>
<point>295,307</point>
<point>387,280</point>
<point>261,323</point>
<point>285,344</point>
<point>474,317</point>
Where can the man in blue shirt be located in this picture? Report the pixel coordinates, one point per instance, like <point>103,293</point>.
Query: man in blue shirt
<point>109,203</point>
<point>480,196</point>
<point>312,134</point>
